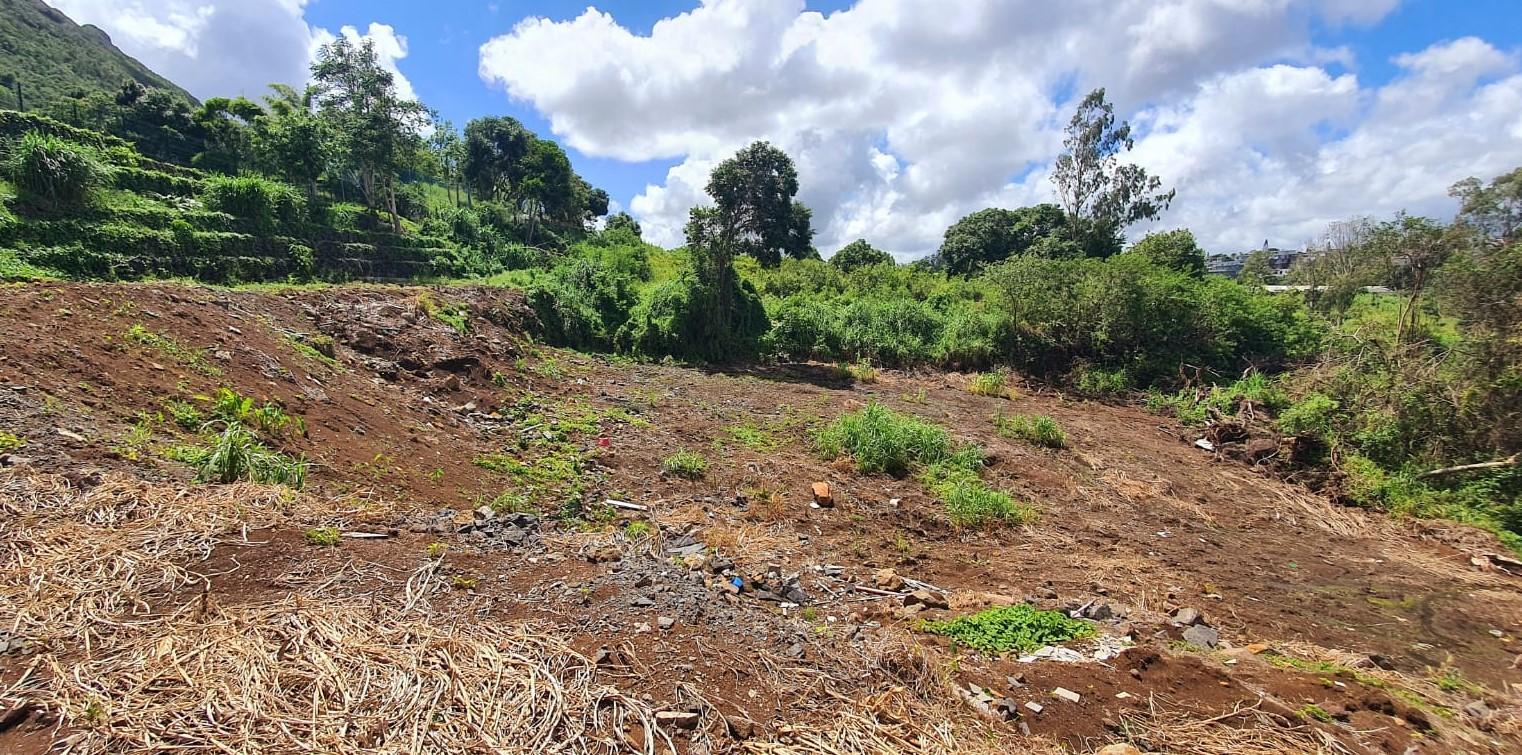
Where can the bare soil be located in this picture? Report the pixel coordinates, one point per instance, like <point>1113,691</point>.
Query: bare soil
<point>1130,514</point>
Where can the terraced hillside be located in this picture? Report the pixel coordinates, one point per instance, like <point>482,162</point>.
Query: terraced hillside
<point>468,542</point>
<point>151,224</point>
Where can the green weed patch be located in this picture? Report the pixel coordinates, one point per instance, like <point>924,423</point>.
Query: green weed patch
<point>1017,628</point>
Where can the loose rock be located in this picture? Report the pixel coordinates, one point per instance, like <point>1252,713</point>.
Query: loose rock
<point>1202,636</point>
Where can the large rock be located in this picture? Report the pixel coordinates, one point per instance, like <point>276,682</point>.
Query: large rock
<point>1200,635</point>
<point>926,598</point>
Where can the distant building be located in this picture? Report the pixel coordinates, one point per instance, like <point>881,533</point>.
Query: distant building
<point>1229,265</point>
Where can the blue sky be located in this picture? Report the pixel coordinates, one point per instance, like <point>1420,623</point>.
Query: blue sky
<point>1272,118</point>
<point>444,40</point>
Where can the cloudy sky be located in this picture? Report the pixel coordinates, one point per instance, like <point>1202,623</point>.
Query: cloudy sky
<point>1271,117</point>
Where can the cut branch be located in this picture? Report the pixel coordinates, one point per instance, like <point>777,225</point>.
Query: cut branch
<point>1512,461</point>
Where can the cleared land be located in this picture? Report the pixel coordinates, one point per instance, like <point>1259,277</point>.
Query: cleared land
<point>142,612</point>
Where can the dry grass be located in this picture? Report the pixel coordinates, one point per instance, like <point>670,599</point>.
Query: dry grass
<point>1245,730</point>
<point>75,565</point>
<point>339,677</point>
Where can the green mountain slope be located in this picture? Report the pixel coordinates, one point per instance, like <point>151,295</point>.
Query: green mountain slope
<point>54,57</point>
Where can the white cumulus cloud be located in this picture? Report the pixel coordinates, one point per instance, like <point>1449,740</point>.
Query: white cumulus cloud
<point>904,115</point>
<point>227,47</point>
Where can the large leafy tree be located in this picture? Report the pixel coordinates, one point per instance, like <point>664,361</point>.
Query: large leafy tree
<point>494,152</point>
<point>754,210</point>
<point>1101,195</point>
<point>380,133</point>
<point>291,141</point>
<point>992,235</point>
<point>226,127</point>
<point>1175,250</point>
<point>859,253</point>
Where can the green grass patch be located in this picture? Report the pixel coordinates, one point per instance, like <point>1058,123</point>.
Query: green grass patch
<point>1039,430</point>
<point>10,441</point>
<point>989,384</point>
<point>456,316</point>
<point>969,501</point>
<point>1314,711</point>
<point>323,536</point>
<point>1017,628</point>
<point>686,464</point>
<point>195,359</point>
<point>879,439</point>
<point>316,348</point>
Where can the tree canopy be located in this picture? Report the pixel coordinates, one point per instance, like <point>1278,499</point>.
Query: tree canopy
<point>1175,250</point>
<point>755,213</point>
<point>993,235</point>
<point>859,253</point>
<point>1103,196</point>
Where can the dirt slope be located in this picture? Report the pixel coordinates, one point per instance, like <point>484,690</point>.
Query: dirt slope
<point>1339,631</point>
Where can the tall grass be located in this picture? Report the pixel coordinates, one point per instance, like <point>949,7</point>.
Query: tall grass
<point>879,439</point>
<point>238,455</point>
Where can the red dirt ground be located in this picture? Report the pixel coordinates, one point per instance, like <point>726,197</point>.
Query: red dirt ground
<point>1128,513</point>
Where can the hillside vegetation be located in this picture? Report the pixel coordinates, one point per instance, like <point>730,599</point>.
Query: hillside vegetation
<point>56,64</point>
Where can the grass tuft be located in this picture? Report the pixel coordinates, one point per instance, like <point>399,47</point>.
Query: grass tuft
<point>879,439</point>
<point>1040,430</point>
<point>323,536</point>
<point>990,384</point>
<point>685,464</point>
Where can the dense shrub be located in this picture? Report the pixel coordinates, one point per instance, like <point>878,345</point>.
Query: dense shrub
<point>1126,314</point>
<point>267,205</point>
<point>55,173</point>
<point>686,318</point>
<point>582,303</point>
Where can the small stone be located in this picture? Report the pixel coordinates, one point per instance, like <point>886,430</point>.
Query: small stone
<point>887,579</point>
<point>640,601</point>
<point>740,728</point>
<point>1258,648</point>
<point>1118,749</point>
<point>1123,695</point>
<point>645,580</point>
<point>604,554</point>
<point>822,495</point>
<point>1066,694</point>
<point>1477,709</point>
<point>1186,617</point>
<point>641,628</point>
<point>1034,707</point>
<point>485,512</point>
<point>926,598</point>
<point>1200,635</point>
<point>677,719</point>
<point>665,622</point>
<point>694,561</point>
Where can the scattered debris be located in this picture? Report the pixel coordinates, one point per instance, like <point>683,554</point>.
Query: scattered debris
<point>1063,693</point>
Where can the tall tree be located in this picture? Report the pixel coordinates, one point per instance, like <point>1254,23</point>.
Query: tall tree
<point>754,210</point>
<point>380,133</point>
<point>1103,196</point>
<point>494,153</point>
<point>448,152</point>
<point>859,253</point>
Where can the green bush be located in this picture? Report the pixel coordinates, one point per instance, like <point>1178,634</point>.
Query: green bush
<point>688,319</point>
<point>582,303</point>
<point>1018,628</point>
<point>55,173</point>
<point>1039,430</point>
<point>267,205</point>
<point>879,439</point>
